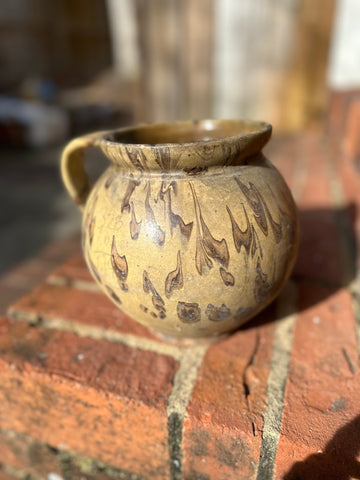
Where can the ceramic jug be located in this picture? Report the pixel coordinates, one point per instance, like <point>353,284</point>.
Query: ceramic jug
<point>191,231</point>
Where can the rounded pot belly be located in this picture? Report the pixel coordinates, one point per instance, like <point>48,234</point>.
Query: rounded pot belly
<point>193,254</point>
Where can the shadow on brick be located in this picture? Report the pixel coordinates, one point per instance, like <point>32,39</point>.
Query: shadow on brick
<point>337,462</point>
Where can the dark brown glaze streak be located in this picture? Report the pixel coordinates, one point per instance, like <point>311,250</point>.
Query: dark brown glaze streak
<point>112,294</point>
<point>132,184</point>
<point>207,246</point>
<point>260,209</point>
<point>174,278</point>
<point>247,238</point>
<point>111,177</point>
<point>261,286</point>
<point>157,301</point>
<point>91,230</point>
<point>119,265</point>
<point>227,277</point>
<point>174,219</point>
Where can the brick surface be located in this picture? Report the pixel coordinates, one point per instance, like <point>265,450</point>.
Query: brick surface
<point>7,476</point>
<point>9,294</point>
<point>37,460</point>
<point>319,256</point>
<point>352,130</point>
<point>58,388</point>
<point>349,176</point>
<point>23,277</point>
<point>284,153</point>
<point>60,250</point>
<point>338,111</point>
<point>153,415</point>
<point>322,397</point>
<point>304,163</point>
<point>77,306</point>
<point>22,453</point>
<point>72,271</point>
<point>222,433</point>
<point>319,253</point>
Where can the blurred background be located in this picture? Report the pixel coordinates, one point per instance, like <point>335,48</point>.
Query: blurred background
<point>72,66</point>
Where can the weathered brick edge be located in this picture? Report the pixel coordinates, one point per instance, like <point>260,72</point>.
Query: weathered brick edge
<point>189,363</point>
<point>30,458</point>
<point>184,379</point>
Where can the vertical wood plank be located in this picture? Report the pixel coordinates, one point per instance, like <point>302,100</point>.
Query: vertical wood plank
<point>176,57</point>
<point>304,87</point>
<point>159,59</point>
<point>270,60</point>
<point>197,56</point>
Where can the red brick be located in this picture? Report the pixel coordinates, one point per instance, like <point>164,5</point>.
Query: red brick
<point>222,432</point>
<point>283,152</point>
<point>74,270</point>
<point>73,305</point>
<point>36,460</point>
<point>49,257</point>
<point>339,104</point>
<point>25,455</point>
<point>319,256</point>
<point>349,176</point>
<point>29,273</point>
<point>351,142</point>
<point>9,294</point>
<point>304,162</point>
<point>322,396</point>
<point>105,401</point>
<point>51,392</point>
<point>21,278</point>
<point>316,191</point>
<point>60,250</point>
<point>319,253</point>
<point>336,113</point>
<point>7,476</point>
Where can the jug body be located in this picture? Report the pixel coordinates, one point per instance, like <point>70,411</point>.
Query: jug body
<point>193,251</point>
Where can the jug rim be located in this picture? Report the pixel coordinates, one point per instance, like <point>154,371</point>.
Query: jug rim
<point>185,144</point>
<point>246,128</point>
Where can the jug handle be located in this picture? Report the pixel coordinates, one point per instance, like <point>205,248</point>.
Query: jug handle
<point>73,172</point>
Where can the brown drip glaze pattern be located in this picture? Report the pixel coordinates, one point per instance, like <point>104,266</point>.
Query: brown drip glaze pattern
<point>191,231</point>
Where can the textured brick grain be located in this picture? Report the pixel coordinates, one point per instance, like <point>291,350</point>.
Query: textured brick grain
<point>349,176</point>
<point>222,432</point>
<point>24,454</point>
<point>351,142</point>
<point>322,397</point>
<point>283,153</point>
<point>199,417</point>
<point>319,256</point>
<point>57,388</point>
<point>72,272</point>
<point>31,459</point>
<point>7,476</point>
<point>78,306</point>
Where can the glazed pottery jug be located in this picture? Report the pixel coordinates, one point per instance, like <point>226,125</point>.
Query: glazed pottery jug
<point>191,231</point>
